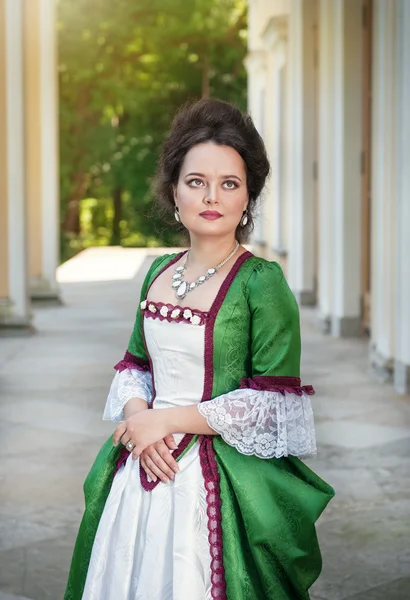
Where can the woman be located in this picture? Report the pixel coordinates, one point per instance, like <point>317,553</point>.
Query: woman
<point>207,497</point>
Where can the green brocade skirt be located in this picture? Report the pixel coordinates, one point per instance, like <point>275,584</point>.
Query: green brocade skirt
<point>268,509</point>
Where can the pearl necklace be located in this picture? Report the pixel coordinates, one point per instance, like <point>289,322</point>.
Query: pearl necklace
<point>182,287</point>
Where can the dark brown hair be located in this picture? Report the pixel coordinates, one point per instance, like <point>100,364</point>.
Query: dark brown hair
<point>212,120</point>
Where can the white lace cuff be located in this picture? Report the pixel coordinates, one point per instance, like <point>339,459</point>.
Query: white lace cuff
<point>127,384</point>
<point>264,423</point>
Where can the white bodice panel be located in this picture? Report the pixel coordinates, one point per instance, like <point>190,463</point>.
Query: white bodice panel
<point>177,356</point>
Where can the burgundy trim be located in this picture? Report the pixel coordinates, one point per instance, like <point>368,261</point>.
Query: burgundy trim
<point>210,323</point>
<point>292,385</point>
<point>206,449</point>
<point>171,307</point>
<point>213,500</point>
<point>130,361</point>
<point>122,459</point>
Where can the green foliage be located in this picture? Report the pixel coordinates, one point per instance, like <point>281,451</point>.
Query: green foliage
<point>124,69</point>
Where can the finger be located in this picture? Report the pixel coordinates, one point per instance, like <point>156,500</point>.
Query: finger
<point>170,441</point>
<point>136,453</point>
<point>129,444</point>
<point>148,470</point>
<point>164,455</point>
<point>126,438</point>
<point>161,464</point>
<point>157,471</point>
<point>118,433</point>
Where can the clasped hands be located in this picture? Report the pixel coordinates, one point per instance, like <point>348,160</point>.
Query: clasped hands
<point>148,431</point>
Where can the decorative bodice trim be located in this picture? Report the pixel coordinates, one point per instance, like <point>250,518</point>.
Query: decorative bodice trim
<point>173,313</point>
<point>292,385</point>
<point>130,361</point>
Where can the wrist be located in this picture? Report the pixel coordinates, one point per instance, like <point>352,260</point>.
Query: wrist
<point>133,406</point>
<point>166,415</point>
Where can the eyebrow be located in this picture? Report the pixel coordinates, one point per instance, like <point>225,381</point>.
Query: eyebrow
<point>223,176</point>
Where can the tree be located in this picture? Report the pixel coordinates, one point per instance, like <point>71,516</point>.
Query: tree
<point>124,68</point>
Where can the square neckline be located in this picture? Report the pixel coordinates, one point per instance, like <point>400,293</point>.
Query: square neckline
<point>223,288</point>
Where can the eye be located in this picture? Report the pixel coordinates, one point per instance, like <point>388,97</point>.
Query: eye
<point>195,182</point>
<point>230,185</point>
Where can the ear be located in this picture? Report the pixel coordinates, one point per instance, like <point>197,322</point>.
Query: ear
<point>174,191</point>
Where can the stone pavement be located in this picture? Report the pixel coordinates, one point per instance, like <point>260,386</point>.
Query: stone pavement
<point>52,392</point>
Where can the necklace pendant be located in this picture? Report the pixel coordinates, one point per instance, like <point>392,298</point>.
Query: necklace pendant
<point>182,290</point>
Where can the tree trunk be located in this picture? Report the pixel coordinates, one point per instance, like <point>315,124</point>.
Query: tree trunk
<point>117,201</point>
<point>72,217</point>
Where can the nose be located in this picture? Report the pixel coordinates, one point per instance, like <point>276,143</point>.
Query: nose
<point>211,196</point>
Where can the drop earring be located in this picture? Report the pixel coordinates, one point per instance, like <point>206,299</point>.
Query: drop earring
<point>176,215</point>
<point>244,218</point>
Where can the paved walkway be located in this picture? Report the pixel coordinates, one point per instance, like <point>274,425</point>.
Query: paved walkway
<point>52,392</point>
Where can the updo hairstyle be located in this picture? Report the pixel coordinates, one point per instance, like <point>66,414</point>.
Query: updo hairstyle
<point>212,120</point>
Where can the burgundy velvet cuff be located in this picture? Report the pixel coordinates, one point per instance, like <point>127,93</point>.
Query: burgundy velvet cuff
<point>292,385</point>
<point>132,362</point>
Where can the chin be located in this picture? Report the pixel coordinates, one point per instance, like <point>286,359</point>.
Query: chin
<point>219,228</point>
<point>211,229</point>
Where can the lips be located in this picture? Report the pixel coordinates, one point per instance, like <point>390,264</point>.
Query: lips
<point>210,215</point>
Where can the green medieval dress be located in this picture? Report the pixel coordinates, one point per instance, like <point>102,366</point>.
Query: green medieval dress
<point>238,521</point>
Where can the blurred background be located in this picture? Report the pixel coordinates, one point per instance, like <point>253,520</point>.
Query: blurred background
<point>88,89</point>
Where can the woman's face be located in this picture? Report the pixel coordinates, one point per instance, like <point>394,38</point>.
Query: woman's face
<point>211,193</point>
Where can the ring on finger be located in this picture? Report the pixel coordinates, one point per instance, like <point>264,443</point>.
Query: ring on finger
<point>130,446</point>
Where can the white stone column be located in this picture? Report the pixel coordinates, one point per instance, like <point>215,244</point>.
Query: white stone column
<point>255,64</point>
<point>339,167</point>
<point>301,150</point>
<point>383,185</point>
<point>346,321</point>
<point>42,20</point>
<point>274,40</point>
<point>402,304</point>
<point>326,165</point>
<point>14,310</point>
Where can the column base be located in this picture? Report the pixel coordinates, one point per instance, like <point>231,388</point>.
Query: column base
<point>44,292</point>
<point>12,325</point>
<point>346,327</point>
<point>381,366</point>
<point>401,377</point>
<point>306,297</point>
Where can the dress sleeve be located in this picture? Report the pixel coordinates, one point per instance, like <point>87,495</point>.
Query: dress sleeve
<point>270,416</point>
<point>133,378</point>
